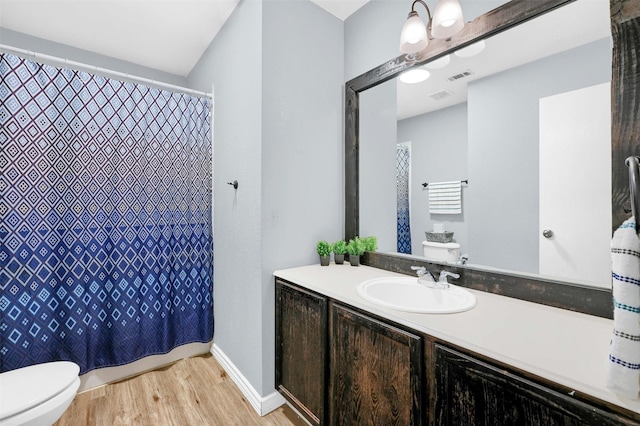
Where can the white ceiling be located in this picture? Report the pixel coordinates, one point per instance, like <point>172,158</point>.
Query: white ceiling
<point>341,8</point>
<point>167,35</point>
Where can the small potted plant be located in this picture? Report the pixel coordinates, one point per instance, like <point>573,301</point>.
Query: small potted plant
<point>370,243</point>
<point>339,250</point>
<point>355,250</point>
<point>324,250</point>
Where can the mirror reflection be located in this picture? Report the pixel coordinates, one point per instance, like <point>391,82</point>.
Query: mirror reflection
<point>524,119</point>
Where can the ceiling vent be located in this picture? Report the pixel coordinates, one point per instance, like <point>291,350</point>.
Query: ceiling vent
<point>463,74</point>
<point>441,94</point>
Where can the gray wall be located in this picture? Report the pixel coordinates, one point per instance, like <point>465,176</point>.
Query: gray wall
<point>302,179</point>
<point>438,154</point>
<point>278,131</point>
<point>372,35</point>
<point>40,45</point>
<point>233,64</point>
<point>502,198</point>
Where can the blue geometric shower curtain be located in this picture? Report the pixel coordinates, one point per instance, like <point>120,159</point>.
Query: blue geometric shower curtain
<point>105,218</point>
<point>403,170</point>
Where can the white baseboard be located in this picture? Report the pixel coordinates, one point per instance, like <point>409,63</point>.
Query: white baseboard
<point>262,405</point>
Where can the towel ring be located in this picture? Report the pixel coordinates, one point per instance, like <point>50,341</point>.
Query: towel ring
<point>633,163</point>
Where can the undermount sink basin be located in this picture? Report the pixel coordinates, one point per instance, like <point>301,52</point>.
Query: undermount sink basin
<point>407,294</point>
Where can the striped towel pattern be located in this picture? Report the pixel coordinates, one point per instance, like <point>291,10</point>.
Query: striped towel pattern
<point>623,368</point>
<point>445,197</point>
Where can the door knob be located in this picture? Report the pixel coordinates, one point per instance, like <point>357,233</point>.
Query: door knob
<point>547,233</point>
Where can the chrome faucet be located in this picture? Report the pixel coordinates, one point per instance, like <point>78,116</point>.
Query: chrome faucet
<point>424,275</point>
<point>442,280</point>
<point>421,271</point>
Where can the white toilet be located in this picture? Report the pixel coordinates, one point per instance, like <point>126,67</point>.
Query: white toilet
<point>441,252</point>
<point>39,394</point>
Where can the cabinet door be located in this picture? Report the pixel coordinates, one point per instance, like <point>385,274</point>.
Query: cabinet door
<point>301,346</point>
<point>471,392</point>
<point>375,371</point>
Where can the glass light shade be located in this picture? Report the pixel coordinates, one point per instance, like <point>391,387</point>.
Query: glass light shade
<point>415,75</point>
<point>447,19</point>
<point>413,37</point>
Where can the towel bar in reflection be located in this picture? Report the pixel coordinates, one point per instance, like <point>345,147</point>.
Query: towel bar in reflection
<point>424,185</point>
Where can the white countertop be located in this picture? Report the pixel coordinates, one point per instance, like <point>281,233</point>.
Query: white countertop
<point>566,347</point>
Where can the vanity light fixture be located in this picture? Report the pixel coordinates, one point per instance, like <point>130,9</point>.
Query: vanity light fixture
<point>447,21</point>
<point>415,75</point>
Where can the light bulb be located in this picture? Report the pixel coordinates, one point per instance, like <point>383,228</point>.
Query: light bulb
<point>415,75</point>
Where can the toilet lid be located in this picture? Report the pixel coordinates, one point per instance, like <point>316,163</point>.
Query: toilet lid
<point>27,387</point>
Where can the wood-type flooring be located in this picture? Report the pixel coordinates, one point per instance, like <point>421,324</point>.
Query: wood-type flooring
<point>192,391</point>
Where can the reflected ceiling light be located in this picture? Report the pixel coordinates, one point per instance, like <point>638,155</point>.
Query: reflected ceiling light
<point>438,63</point>
<point>447,21</point>
<point>471,50</point>
<point>416,75</point>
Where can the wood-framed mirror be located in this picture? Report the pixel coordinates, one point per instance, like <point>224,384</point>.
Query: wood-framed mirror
<point>625,124</point>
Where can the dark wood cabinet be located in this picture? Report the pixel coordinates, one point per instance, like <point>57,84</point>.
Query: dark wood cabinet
<point>338,365</point>
<point>473,392</point>
<point>301,350</point>
<point>375,371</point>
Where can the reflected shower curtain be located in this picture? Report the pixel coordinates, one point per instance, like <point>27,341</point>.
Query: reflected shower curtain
<point>105,218</point>
<point>403,170</point>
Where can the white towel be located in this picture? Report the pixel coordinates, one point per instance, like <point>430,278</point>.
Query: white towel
<point>445,197</point>
<point>623,367</point>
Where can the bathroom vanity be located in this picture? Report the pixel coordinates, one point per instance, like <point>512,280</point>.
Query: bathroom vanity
<point>343,360</point>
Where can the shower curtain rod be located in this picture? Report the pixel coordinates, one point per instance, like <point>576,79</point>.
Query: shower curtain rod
<point>109,72</point>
